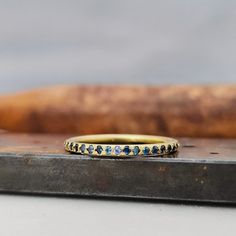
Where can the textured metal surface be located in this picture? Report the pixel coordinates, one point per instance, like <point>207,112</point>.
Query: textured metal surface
<point>204,170</point>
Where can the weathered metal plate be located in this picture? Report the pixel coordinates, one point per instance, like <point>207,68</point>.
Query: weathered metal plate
<point>204,170</point>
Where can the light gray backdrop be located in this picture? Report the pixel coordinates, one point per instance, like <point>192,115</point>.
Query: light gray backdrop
<point>127,41</point>
<point>48,42</point>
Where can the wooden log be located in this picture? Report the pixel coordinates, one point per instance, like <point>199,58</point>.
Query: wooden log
<point>193,111</point>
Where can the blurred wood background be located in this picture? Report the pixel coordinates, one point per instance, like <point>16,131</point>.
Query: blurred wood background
<point>193,111</point>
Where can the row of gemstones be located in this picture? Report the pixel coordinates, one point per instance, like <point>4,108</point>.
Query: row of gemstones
<point>155,150</point>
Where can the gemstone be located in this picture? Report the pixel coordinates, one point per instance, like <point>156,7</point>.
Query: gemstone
<point>136,150</point>
<point>117,150</point>
<point>82,148</point>
<point>90,149</point>
<point>71,146</point>
<point>174,147</point>
<point>108,150</point>
<point>126,150</point>
<point>146,150</point>
<point>155,150</point>
<point>99,149</point>
<point>76,147</point>
<point>163,148</point>
<point>169,148</point>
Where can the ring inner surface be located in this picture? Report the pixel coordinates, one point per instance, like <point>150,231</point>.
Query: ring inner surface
<point>121,140</point>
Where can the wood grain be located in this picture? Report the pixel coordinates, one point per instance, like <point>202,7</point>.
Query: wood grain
<point>193,111</point>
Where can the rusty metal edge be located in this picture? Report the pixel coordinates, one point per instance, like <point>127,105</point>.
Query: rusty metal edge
<point>82,176</point>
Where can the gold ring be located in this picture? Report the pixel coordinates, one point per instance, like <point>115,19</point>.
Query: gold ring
<point>121,145</point>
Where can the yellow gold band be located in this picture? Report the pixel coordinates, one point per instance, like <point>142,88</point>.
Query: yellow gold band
<point>121,145</point>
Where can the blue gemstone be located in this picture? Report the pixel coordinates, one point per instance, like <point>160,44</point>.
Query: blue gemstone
<point>146,150</point>
<point>82,148</point>
<point>126,150</point>
<point>136,150</point>
<point>155,150</point>
<point>108,150</point>
<point>117,150</point>
<point>76,147</point>
<point>90,149</point>
<point>99,149</point>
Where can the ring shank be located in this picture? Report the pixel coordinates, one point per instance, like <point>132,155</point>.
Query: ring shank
<point>122,139</point>
<point>122,145</point>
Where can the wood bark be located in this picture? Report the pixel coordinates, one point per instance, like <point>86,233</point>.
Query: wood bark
<point>193,111</point>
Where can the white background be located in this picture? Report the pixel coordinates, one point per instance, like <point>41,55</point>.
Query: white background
<point>47,216</point>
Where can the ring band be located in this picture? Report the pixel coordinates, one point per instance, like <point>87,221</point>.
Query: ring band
<point>121,145</point>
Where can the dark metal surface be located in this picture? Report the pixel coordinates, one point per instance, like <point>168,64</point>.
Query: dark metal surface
<point>204,170</point>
